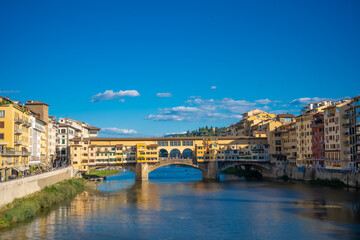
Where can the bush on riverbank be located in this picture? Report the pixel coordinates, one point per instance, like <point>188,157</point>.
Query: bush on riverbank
<point>29,206</point>
<point>330,183</point>
<point>103,173</point>
<point>243,173</point>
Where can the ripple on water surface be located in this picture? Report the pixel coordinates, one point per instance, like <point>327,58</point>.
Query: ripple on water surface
<point>176,204</point>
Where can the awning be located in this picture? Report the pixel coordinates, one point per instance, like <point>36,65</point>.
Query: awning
<point>21,169</point>
<point>33,163</point>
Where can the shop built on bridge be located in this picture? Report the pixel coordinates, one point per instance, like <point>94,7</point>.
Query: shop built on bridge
<point>143,155</point>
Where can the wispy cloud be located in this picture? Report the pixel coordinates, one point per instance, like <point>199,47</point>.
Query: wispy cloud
<point>110,94</point>
<point>204,109</point>
<point>213,87</point>
<point>118,131</point>
<point>164,94</point>
<point>8,91</point>
<point>306,100</point>
<point>263,101</point>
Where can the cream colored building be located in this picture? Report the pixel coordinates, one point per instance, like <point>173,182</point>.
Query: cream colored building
<point>337,137</point>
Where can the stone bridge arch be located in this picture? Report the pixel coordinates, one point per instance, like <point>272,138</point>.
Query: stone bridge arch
<point>262,167</point>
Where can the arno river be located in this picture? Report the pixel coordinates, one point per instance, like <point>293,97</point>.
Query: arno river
<point>176,204</point>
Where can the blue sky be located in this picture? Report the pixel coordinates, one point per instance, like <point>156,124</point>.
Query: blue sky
<point>212,60</point>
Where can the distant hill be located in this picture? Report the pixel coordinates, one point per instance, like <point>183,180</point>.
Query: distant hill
<point>202,131</point>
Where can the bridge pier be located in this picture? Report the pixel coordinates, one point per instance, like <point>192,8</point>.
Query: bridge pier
<point>141,172</point>
<point>212,171</point>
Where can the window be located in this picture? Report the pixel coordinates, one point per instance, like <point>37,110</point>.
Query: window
<point>1,136</point>
<point>2,113</point>
<point>163,143</point>
<point>63,141</point>
<point>2,124</point>
<point>187,143</point>
<point>175,143</point>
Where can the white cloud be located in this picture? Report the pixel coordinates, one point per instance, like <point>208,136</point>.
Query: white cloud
<point>175,133</point>
<point>263,101</point>
<point>8,91</point>
<point>306,100</point>
<point>118,131</point>
<point>110,94</point>
<point>204,109</point>
<point>213,87</point>
<point>122,100</point>
<point>164,95</point>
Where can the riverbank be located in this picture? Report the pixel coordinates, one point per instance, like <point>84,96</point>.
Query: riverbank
<point>103,173</point>
<point>243,173</point>
<point>26,207</point>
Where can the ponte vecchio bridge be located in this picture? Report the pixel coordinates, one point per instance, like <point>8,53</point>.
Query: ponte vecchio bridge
<point>211,155</point>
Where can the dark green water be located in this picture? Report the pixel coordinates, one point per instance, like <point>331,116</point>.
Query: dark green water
<point>176,204</point>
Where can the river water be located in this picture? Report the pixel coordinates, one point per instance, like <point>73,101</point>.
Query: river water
<point>176,204</point>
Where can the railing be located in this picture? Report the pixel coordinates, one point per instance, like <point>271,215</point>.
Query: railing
<point>346,115</point>
<point>346,143</point>
<point>14,153</point>
<point>357,103</point>
<point>347,133</point>
<point>347,152</point>
<point>27,124</point>
<point>18,142</point>
<point>331,115</point>
<point>347,124</point>
<point>18,131</point>
<point>18,120</point>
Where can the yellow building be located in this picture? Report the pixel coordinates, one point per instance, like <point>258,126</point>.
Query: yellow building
<point>283,144</point>
<point>14,138</point>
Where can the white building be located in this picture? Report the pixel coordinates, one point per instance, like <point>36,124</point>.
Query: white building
<point>52,138</point>
<point>36,130</point>
<point>67,130</point>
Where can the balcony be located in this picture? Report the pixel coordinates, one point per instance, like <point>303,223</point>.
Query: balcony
<point>347,134</point>
<point>347,152</point>
<point>11,153</point>
<point>346,143</point>
<point>347,124</point>
<point>18,142</point>
<point>27,124</point>
<point>18,120</point>
<point>347,115</point>
<point>26,153</point>
<point>18,131</point>
<point>357,103</point>
<point>331,115</point>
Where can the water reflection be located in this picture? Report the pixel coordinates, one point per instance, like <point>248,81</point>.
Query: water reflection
<point>186,207</point>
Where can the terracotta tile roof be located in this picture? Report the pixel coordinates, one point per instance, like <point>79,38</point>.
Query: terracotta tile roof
<point>30,102</point>
<point>93,128</point>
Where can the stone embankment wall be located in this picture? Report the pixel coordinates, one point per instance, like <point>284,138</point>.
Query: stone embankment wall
<point>308,173</point>
<point>21,187</point>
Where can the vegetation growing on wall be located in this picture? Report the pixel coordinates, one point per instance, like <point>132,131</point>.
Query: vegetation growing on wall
<point>23,208</point>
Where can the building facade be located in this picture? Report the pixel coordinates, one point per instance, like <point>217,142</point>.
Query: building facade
<point>14,138</point>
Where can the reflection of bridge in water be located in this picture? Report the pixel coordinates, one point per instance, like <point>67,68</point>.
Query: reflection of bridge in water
<point>210,169</point>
